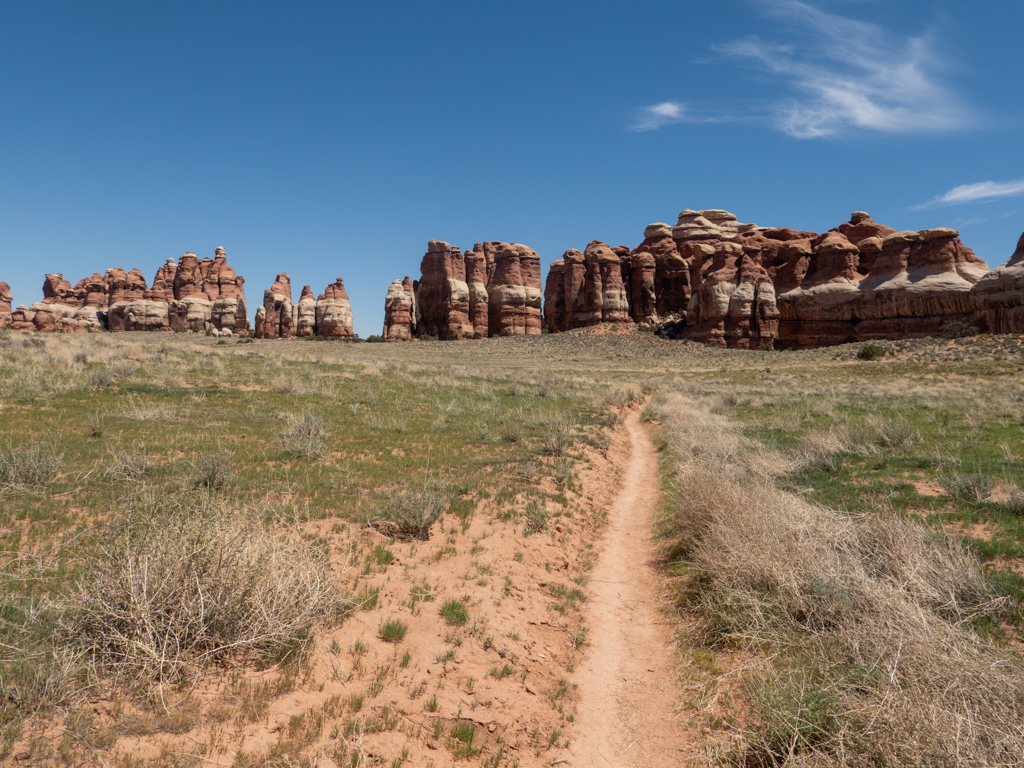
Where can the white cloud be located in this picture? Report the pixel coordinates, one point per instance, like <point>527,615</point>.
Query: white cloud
<point>980,191</point>
<point>851,74</point>
<point>654,117</point>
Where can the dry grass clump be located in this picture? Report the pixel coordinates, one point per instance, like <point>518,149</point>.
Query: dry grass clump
<point>29,467</point>
<point>304,439</point>
<point>131,465</point>
<point>699,435</point>
<point>557,435</point>
<point>622,396</point>
<point>181,583</point>
<point>967,486</point>
<point>213,472</point>
<point>867,621</point>
<point>820,448</point>
<point>133,407</point>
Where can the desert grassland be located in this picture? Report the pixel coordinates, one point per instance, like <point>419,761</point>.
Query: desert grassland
<point>849,539</point>
<point>843,538</point>
<point>217,551</point>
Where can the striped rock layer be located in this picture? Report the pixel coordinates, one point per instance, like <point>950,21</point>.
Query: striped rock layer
<point>740,285</point>
<point>194,294</point>
<point>492,290</point>
<point>329,315</point>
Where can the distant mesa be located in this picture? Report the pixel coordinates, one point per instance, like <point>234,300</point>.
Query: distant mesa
<point>712,279</point>
<point>328,315</point>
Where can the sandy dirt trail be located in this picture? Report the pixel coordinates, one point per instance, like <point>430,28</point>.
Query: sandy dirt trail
<point>627,684</point>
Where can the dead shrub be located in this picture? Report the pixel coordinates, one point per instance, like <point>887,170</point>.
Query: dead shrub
<point>305,437</point>
<point>820,449</point>
<point>180,583</point>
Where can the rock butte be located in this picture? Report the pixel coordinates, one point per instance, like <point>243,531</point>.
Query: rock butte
<point>194,294</point>
<point>730,285</point>
<point>492,290</point>
<point>328,315</point>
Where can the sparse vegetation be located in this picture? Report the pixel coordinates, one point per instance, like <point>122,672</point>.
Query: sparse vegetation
<point>868,621</point>
<point>486,443</point>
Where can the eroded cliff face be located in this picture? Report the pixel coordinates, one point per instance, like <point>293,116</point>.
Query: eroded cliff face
<point>999,295</point>
<point>741,285</point>
<point>492,290</point>
<point>194,294</point>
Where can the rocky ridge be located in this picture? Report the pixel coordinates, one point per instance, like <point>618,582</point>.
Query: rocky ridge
<point>739,285</point>
<point>194,294</point>
<point>328,315</point>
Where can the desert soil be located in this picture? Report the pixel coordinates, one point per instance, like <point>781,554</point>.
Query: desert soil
<point>627,683</point>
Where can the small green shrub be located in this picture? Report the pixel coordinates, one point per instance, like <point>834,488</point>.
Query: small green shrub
<point>871,352</point>
<point>536,518</point>
<point>454,612</point>
<point>382,555</point>
<point>796,712</point>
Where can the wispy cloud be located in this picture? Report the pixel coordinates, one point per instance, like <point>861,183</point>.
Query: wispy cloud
<point>841,74</point>
<point>960,222</point>
<point>654,117</point>
<point>854,74</point>
<point>978,192</point>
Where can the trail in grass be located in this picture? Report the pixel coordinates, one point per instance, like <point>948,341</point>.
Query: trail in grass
<point>627,683</point>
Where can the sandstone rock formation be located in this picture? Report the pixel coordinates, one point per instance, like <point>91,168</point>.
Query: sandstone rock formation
<point>740,285</point>
<point>195,294</point>
<point>5,304</point>
<point>334,312</point>
<point>513,292</point>
<point>443,294</point>
<point>492,290</point>
<point>998,296</point>
<point>275,319</point>
<point>328,315</point>
<point>400,311</point>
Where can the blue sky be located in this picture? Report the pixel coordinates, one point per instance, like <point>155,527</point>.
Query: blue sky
<point>330,139</point>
